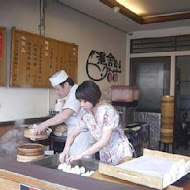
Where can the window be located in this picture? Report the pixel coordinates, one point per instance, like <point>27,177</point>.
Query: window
<point>152,76</point>
<point>160,44</point>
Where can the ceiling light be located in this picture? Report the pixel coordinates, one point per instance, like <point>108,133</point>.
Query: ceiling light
<point>131,6</point>
<point>116,9</point>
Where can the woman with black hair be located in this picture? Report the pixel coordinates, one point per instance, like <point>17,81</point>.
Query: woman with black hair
<point>102,120</point>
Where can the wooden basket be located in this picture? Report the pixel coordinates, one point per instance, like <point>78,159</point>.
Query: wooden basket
<point>29,133</point>
<point>167,119</point>
<point>60,130</point>
<point>30,151</point>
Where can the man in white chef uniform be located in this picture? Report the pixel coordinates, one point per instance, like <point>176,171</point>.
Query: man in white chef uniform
<point>65,87</point>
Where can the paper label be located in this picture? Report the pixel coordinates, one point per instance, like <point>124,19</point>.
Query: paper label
<point>27,187</point>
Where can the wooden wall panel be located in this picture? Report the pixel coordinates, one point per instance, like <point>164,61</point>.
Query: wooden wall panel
<point>35,58</point>
<point>3,37</point>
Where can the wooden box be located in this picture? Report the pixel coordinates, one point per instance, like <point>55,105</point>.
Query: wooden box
<point>139,177</point>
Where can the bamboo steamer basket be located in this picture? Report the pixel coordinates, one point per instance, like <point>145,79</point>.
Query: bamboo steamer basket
<point>29,132</point>
<point>29,152</point>
<point>167,119</point>
<point>60,130</point>
<point>167,122</point>
<point>167,135</point>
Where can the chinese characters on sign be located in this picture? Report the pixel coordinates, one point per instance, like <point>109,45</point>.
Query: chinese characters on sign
<point>100,66</point>
<point>35,58</point>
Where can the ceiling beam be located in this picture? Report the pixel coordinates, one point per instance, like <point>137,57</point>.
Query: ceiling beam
<point>146,20</point>
<point>123,10</point>
<point>166,18</point>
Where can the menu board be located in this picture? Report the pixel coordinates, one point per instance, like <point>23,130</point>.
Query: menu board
<point>35,58</point>
<point>3,37</point>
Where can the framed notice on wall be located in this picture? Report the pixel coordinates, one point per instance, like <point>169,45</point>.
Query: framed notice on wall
<point>35,58</point>
<point>3,37</point>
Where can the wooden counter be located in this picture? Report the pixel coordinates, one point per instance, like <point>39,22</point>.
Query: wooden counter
<point>13,173</point>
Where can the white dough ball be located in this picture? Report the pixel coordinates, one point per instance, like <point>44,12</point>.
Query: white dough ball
<point>60,167</point>
<point>77,170</point>
<point>82,170</point>
<point>181,162</point>
<point>167,179</point>
<point>91,172</point>
<point>174,168</point>
<point>183,169</point>
<point>85,174</point>
<point>88,173</point>
<point>173,176</point>
<point>188,164</point>
<point>181,172</point>
<point>69,167</point>
<point>64,167</point>
<point>77,167</point>
<point>73,170</point>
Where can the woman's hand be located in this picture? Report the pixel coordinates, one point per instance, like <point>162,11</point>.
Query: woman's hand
<point>63,157</point>
<point>73,158</point>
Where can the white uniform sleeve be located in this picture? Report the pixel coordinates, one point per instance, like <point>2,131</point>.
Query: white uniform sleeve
<point>72,104</point>
<point>71,101</point>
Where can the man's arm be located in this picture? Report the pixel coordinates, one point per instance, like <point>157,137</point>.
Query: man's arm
<point>57,119</point>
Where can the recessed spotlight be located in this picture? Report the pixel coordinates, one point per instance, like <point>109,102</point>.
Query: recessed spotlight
<point>116,9</point>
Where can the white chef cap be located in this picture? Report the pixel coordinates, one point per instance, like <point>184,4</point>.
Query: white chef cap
<point>58,78</point>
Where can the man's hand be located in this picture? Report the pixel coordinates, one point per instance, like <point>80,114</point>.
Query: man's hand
<point>39,129</point>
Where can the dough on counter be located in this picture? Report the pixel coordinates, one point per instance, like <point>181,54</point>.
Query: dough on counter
<point>64,167</point>
<point>74,170</point>
<point>60,167</point>
<point>88,173</point>
<point>77,170</point>
<point>82,170</point>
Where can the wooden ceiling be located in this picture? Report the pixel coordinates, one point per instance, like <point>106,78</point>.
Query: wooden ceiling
<point>158,14</point>
<point>146,20</point>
